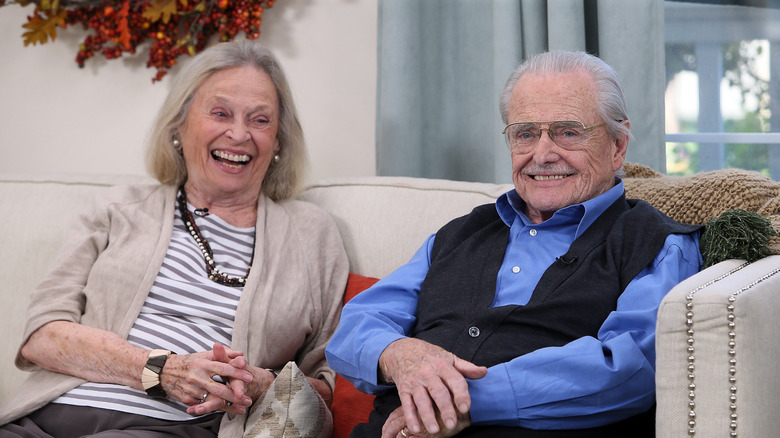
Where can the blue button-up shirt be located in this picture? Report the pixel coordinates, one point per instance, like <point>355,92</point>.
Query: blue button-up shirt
<point>586,383</point>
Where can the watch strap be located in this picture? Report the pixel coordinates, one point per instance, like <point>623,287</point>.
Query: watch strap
<point>150,375</point>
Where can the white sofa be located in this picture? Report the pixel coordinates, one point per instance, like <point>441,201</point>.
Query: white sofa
<point>383,220</point>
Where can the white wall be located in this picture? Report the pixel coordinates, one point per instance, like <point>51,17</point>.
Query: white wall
<point>55,117</point>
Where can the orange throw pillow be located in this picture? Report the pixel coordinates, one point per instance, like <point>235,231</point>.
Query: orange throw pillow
<point>350,406</point>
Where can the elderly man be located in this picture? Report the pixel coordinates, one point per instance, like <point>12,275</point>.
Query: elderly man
<point>534,316</point>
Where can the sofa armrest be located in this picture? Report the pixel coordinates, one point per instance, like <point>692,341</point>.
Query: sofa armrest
<point>753,291</point>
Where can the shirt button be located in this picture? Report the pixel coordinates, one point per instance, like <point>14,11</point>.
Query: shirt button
<point>515,269</point>
<point>532,232</point>
<point>474,332</point>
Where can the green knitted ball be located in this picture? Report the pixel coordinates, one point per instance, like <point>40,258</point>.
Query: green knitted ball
<point>735,234</point>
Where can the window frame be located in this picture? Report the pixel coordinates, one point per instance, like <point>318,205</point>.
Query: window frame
<point>686,19</point>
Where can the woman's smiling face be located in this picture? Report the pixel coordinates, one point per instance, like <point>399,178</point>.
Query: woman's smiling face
<point>230,134</point>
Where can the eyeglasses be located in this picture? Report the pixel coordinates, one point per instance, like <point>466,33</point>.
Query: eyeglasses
<point>521,137</point>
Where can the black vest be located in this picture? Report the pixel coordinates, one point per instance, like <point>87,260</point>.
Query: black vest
<point>573,298</point>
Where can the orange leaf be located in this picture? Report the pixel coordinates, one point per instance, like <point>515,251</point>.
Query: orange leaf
<point>122,27</point>
<point>41,29</point>
<point>160,9</point>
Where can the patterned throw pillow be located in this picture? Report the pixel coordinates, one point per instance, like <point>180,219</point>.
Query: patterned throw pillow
<point>290,408</point>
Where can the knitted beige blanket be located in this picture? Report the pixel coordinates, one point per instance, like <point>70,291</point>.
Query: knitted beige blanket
<point>696,199</point>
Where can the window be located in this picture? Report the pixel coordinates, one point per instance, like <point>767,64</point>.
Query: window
<point>722,98</point>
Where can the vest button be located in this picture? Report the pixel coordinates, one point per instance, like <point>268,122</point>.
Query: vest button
<point>515,269</point>
<point>474,332</point>
<point>532,232</point>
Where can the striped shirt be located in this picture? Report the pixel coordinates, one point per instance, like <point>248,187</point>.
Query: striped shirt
<point>185,312</point>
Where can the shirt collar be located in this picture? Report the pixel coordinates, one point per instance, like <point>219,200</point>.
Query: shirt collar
<point>510,207</point>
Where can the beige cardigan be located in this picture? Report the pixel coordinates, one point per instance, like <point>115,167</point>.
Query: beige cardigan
<point>288,309</point>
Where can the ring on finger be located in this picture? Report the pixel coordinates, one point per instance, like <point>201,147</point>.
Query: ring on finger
<point>203,398</point>
<point>403,432</point>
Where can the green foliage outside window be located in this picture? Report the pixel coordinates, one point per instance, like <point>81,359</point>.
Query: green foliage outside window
<point>740,71</point>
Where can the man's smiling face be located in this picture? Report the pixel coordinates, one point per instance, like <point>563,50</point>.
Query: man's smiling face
<point>549,177</point>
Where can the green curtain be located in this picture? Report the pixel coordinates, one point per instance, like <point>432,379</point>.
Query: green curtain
<point>443,63</point>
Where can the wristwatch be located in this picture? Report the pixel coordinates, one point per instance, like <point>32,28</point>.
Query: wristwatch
<point>150,376</point>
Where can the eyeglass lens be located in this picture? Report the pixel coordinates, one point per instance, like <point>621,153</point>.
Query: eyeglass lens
<point>565,134</point>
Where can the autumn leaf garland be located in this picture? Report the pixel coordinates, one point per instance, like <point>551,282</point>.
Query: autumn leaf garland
<point>40,29</point>
<point>171,27</point>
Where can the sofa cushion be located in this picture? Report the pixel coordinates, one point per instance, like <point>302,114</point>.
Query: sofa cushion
<point>350,406</point>
<point>384,220</point>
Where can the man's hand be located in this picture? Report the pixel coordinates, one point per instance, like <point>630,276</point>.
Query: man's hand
<point>429,380</point>
<point>396,423</point>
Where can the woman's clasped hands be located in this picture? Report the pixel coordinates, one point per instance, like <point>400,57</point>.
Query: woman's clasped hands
<point>215,380</point>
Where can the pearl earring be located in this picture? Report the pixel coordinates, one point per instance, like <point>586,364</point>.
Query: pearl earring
<point>276,158</point>
<point>176,143</point>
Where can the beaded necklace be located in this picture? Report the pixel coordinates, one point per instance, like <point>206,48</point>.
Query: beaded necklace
<point>213,272</point>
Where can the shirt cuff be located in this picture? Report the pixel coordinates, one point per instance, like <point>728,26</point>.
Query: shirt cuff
<point>492,397</point>
<point>369,359</point>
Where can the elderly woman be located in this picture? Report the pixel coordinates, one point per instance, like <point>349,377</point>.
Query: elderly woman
<point>173,304</point>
